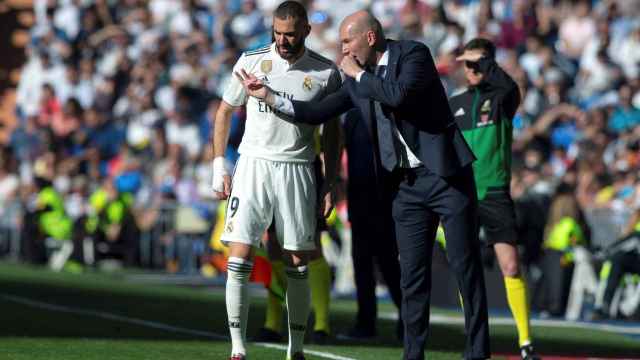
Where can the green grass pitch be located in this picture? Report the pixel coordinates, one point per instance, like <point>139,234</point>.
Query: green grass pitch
<point>45,315</point>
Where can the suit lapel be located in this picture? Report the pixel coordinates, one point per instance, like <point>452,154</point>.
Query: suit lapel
<point>392,71</point>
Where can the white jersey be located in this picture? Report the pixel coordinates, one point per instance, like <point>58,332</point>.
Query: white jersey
<point>269,134</point>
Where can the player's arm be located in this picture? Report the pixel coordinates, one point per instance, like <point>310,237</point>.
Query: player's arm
<point>308,112</point>
<point>498,79</point>
<point>495,79</point>
<point>234,96</point>
<point>221,182</point>
<point>416,75</point>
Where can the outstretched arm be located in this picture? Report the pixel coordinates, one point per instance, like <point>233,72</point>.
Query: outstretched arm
<point>309,112</point>
<point>416,74</point>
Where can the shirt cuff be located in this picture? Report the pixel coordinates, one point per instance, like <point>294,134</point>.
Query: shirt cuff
<point>359,75</point>
<point>283,105</point>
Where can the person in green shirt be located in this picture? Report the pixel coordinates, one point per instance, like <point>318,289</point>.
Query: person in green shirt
<point>47,219</point>
<point>112,225</point>
<point>565,229</point>
<point>484,113</point>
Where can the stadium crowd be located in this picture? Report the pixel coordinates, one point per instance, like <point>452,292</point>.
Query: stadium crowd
<point>115,106</point>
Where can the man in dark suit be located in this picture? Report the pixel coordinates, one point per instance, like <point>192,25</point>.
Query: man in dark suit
<point>396,87</point>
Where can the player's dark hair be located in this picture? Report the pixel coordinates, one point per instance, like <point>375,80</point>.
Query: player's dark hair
<point>291,9</point>
<point>487,47</point>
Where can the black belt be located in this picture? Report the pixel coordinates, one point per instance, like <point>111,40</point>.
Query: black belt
<point>406,174</point>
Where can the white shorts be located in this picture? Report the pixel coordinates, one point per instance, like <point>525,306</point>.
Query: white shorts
<point>264,191</point>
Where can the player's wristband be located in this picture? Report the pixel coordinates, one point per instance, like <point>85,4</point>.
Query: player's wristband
<point>219,171</point>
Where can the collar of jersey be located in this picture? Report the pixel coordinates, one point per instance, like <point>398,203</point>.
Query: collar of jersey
<point>276,57</point>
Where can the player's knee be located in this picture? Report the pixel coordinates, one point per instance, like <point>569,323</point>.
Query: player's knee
<point>510,268</point>
<point>242,251</point>
<point>507,255</point>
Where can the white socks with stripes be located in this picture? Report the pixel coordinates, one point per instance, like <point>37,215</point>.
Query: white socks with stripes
<point>237,299</point>
<point>298,306</point>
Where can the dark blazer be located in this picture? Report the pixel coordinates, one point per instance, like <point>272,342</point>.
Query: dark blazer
<point>413,94</point>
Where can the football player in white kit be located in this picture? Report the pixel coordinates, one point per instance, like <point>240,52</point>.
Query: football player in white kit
<point>274,178</point>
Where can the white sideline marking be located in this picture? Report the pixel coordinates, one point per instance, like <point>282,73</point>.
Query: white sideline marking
<point>458,320</point>
<point>311,352</point>
<point>110,316</point>
<point>149,324</point>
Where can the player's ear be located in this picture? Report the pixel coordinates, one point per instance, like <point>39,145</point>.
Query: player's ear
<point>307,30</point>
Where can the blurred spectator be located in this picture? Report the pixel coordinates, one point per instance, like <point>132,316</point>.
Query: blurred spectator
<point>9,181</point>
<point>576,30</point>
<point>620,259</point>
<point>321,39</point>
<point>562,232</point>
<point>147,74</point>
<point>112,225</point>
<point>625,116</point>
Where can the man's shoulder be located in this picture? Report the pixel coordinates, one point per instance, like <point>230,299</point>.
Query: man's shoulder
<point>253,56</point>
<point>408,45</point>
<point>320,60</point>
<point>259,51</point>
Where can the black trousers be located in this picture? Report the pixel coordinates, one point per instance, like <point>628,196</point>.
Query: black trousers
<point>374,242</point>
<point>555,283</point>
<point>422,200</point>
<point>621,263</point>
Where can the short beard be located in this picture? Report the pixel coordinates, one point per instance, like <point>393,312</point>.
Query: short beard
<point>294,51</point>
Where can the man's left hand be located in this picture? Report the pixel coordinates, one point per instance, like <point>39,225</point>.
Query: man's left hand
<point>471,55</point>
<point>325,204</point>
<point>350,66</point>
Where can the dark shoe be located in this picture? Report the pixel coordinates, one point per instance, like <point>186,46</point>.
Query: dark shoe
<point>528,353</point>
<point>267,335</point>
<point>297,356</point>
<point>358,333</point>
<point>238,357</point>
<point>320,337</point>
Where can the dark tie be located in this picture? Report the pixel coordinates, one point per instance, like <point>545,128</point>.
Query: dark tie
<point>386,143</point>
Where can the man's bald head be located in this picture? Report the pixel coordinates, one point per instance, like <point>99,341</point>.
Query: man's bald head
<point>361,22</point>
<point>362,38</point>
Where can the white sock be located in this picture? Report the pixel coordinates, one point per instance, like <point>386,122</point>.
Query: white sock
<point>237,299</point>
<point>298,305</point>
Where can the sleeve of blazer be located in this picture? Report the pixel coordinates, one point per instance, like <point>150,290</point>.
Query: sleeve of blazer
<point>318,112</point>
<point>417,71</point>
<point>498,80</point>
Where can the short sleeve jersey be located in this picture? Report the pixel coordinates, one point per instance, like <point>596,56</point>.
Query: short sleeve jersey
<point>270,134</point>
